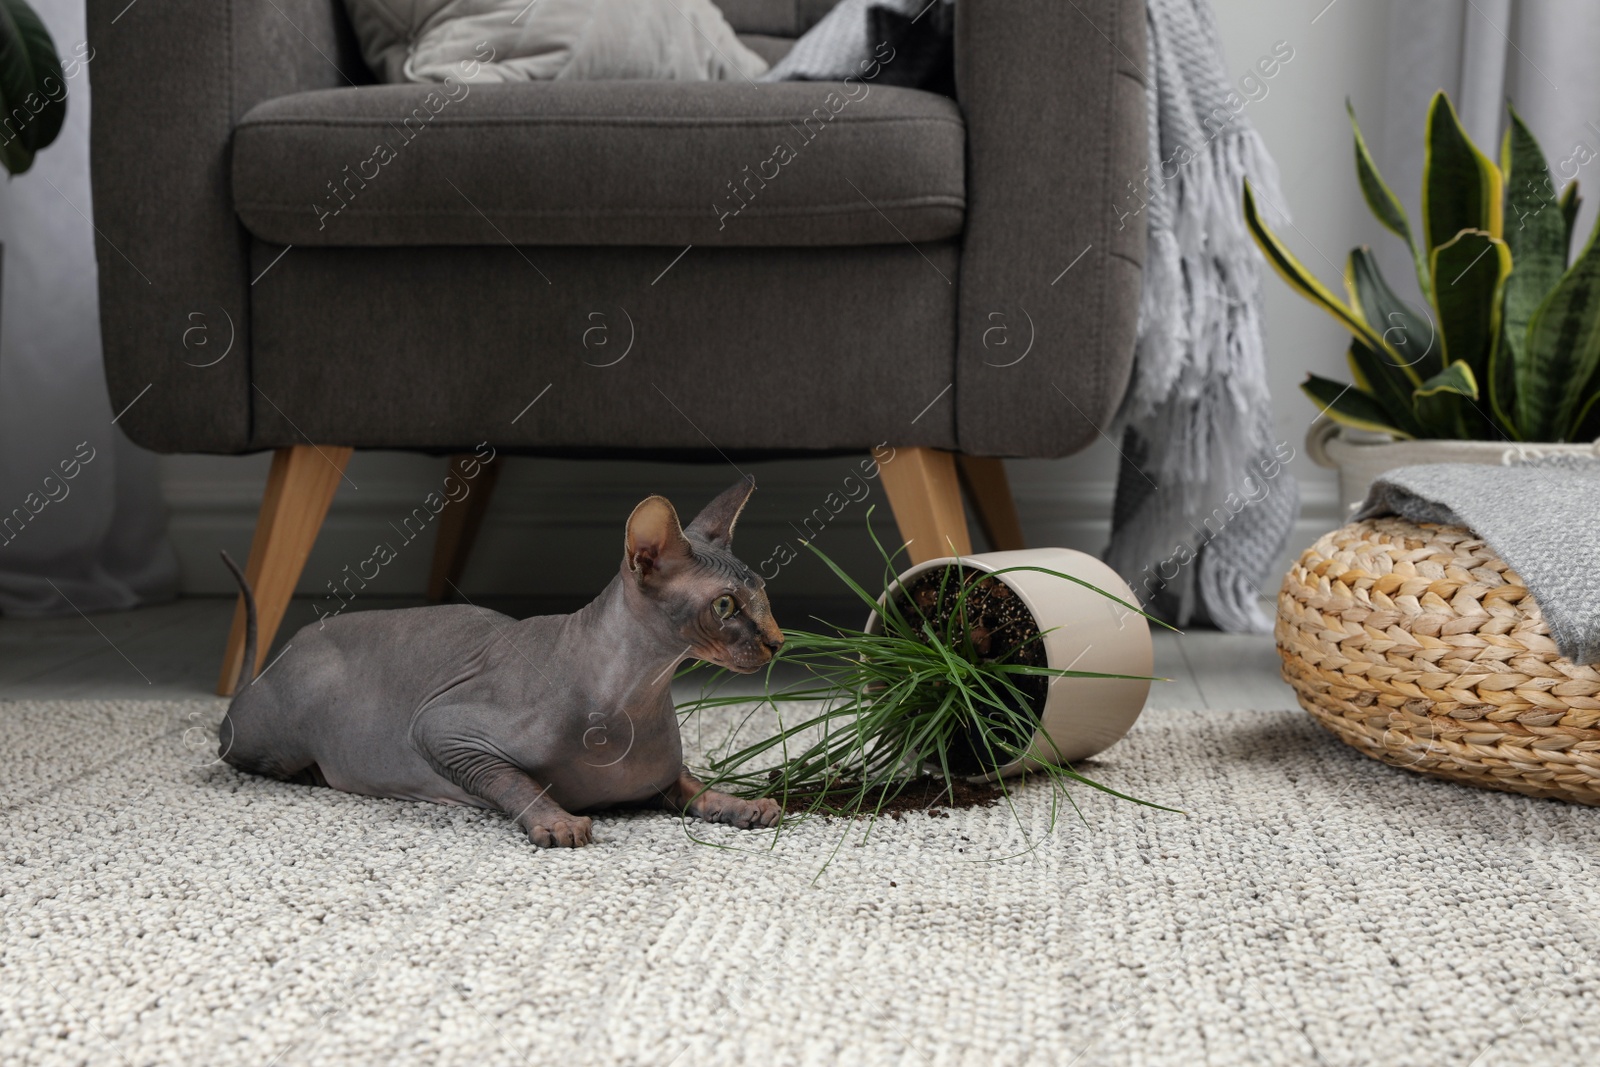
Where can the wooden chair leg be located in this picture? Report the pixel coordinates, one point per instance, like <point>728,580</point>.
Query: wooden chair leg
<point>299,490</point>
<point>459,523</point>
<point>989,493</point>
<point>925,493</point>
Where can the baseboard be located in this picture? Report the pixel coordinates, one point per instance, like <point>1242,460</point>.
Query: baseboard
<point>556,529</point>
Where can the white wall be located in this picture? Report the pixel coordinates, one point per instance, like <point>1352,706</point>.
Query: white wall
<point>556,526</point>
<point>1302,119</point>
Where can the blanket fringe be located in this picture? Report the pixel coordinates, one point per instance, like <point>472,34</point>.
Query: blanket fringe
<point>1198,410</point>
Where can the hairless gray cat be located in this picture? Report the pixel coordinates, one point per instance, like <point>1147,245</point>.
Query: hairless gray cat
<point>540,718</point>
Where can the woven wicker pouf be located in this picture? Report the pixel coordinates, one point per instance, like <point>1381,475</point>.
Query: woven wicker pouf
<point>1415,644</point>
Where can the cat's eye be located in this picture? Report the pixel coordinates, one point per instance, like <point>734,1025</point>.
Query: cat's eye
<point>724,606</point>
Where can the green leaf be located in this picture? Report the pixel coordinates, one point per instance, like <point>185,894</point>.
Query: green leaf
<point>1348,406</point>
<point>1570,203</point>
<point>1563,350</point>
<point>16,82</point>
<point>1381,199</point>
<point>1392,389</point>
<point>1413,349</point>
<point>1293,272</point>
<point>50,82</point>
<point>33,93</point>
<point>1502,388</point>
<point>1469,273</point>
<point>1461,187</point>
<point>1536,233</point>
<point>1439,402</point>
<point>13,156</point>
<point>1091,783</point>
<point>1456,378</point>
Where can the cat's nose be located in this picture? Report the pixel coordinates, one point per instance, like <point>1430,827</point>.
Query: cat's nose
<point>773,641</point>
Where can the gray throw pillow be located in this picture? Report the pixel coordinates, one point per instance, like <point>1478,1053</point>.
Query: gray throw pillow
<point>837,47</point>
<point>542,40</point>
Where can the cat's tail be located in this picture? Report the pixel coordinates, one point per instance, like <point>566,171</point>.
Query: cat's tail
<point>247,671</point>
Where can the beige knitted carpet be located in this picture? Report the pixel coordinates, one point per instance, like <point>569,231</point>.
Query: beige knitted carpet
<point>1312,907</point>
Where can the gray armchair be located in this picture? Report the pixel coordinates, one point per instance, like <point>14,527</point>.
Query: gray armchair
<point>425,267</point>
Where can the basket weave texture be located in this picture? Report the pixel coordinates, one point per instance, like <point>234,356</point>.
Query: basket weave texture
<point>1415,644</point>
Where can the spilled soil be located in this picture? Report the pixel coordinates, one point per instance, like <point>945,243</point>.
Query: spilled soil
<point>927,793</point>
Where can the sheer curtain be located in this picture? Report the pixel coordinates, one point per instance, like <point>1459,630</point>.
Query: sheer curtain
<point>1541,55</point>
<point>81,520</point>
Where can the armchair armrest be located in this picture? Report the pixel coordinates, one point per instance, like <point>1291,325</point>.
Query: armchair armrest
<point>168,81</point>
<point>1054,97</point>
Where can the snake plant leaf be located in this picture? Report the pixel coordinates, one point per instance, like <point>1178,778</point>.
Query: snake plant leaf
<point>1562,351</point>
<point>1438,401</point>
<point>1535,231</point>
<point>1461,187</point>
<point>1381,199</point>
<point>1457,378</point>
<point>1570,203</point>
<point>1501,389</point>
<point>1469,274</point>
<point>1295,273</point>
<point>1348,406</point>
<point>1376,376</point>
<point>1413,351</point>
<point>31,86</point>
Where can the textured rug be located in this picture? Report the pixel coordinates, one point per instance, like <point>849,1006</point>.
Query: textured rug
<point>1313,906</point>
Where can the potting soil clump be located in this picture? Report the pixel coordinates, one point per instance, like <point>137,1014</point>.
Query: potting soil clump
<point>994,626</point>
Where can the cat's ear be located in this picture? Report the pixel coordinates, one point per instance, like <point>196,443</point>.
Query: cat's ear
<point>655,540</point>
<point>715,522</point>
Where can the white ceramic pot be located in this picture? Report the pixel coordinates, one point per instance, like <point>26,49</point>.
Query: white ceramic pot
<point>1082,631</point>
<point>1361,457</point>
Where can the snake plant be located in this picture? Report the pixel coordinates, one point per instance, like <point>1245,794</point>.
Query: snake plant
<point>33,93</point>
<point>1508,344</point>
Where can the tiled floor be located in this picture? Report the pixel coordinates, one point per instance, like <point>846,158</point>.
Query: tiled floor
<point>174,651</point>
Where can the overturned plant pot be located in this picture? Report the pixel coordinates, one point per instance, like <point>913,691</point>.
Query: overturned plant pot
<point>1081,630</point>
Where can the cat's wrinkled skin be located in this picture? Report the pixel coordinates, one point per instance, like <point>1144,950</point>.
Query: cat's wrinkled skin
<point>539,718</point>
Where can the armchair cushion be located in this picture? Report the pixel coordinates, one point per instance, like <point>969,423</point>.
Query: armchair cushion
<point>602,163</point>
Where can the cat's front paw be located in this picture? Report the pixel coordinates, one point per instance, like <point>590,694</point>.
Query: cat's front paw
<point>747,814</point>
<point>764,812</point>
<point>560,831</point>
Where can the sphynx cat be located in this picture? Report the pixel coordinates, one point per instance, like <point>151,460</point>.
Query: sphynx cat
<point>542,718</point>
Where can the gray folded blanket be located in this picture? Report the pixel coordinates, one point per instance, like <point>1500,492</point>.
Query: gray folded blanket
<point>1541,516</point>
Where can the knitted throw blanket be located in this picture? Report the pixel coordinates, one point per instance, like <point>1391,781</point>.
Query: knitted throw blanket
<point>1542,516</point>
<point>1210,505</point>
<point>1204,504</point>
